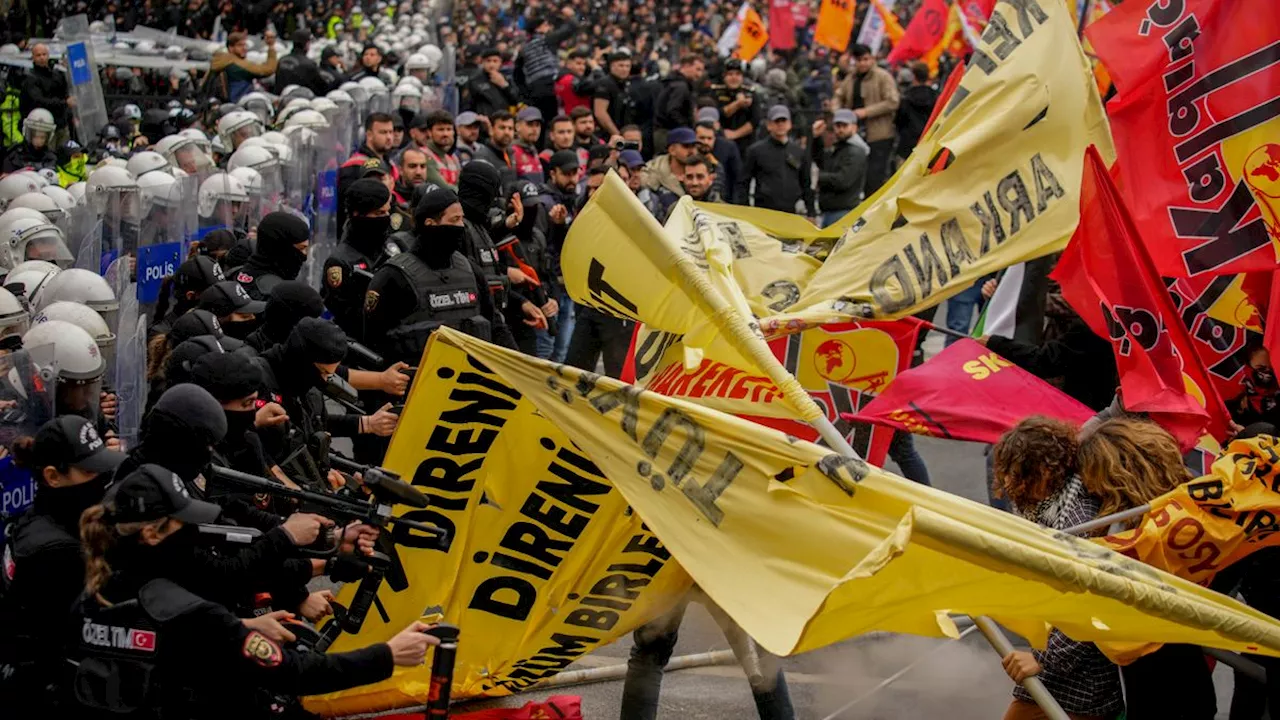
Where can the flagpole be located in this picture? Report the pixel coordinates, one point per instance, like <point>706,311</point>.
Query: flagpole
<point>749,341</point>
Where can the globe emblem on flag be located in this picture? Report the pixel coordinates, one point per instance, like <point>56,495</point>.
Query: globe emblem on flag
<point>835,361</point>
<point>1262,174</point>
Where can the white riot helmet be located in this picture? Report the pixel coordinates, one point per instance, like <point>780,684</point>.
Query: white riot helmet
<point>409,80</point>
<point>75,352</point>
<point>39,121</point>
<point>298,102</point>
<point>274,137</point>
<point>282,120</point>
<point>40,180</point>
<point>295,92</point>
<point>146,161</point>
<point>218,188</point>
<point>324,106</point>
<point>83,317</point>
<point>104,182</point>
<point>357,92</point>
<point>50,177</point>
<point>199,137</point>
<point>13,215</point>
<point>62,198</point>
<point>174,52</point>
<point>40,239</point>
<point>184,153</point>
<point>258,158</point>
<point>76,190</point>
<point>159,190</point>
<point>14,186</point>
<point>417,61</point>
<point>41,203</point>
<point>342,98</point>
<point>236,126</point>
<point>29,277</point>
<point>373,86</point>
<point>406,97</point>
<point>250,178</point>
<point>82,286</point>
<point>14,318</point>
<point>259,104</point>
<point>307,119</point>
<point>433,54</point>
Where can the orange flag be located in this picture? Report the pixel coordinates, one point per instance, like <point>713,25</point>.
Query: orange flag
<point>754,35</point>
<point>835,24</point>
<point>892,26</point>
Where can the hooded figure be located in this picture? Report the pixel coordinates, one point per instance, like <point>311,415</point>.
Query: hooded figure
<point>179,433</point>
<point>364,246</point>
<point>283,239</point>
<point>290,301</point>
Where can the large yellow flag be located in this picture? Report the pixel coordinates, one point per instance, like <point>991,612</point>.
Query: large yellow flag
<point>545,561</point>
<point>994,182</point>
<point>804,548</point>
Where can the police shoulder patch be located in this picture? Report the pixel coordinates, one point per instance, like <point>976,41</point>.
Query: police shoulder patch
<point>396,221</point>
<point>333,276</point>
<point>370,300</point>
<point>262,650</point>
<point>372,162</point>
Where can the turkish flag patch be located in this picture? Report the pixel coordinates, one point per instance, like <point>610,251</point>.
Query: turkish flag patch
<point>142,640</point>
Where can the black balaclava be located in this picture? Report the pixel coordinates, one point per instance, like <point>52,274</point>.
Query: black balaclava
<point>312,341</point>
<point>435,244</point>
<point>181,430</point>
<point>478,185</point>
<point>290,302</point>
<point>367,234</point>
<point>277,234</point>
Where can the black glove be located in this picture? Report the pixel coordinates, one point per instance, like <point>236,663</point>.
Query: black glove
<point>346,568</point>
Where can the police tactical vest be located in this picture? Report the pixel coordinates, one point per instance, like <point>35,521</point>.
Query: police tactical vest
<point>346,302</point>
<point>480,248</point>
<point>25,538</point>
<point>119,649</point>
<point>444,297</point>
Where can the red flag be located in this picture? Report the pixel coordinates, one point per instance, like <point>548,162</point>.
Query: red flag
<point>1198,118</point>
<point>968,392</point>
<point>923,33</point>
<point>1271,339</point>
<point>1108,278</point>
<point>782,25</point>
<point>953,82</point>
<point>561,707</point>
<point>1222,348</point>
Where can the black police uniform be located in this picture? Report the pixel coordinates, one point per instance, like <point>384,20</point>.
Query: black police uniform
<point>275,259</point>
<point>348,270</point>
<point>160,651</point>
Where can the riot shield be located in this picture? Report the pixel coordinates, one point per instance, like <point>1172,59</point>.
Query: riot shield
<point>26,402</point>
<point>90,112</point>
<point>88,250</point>
<point>449,79</point>
<point>299,175</point>
<point>120,211</point>
<point>169,219</point>
<point>129,380</point>
<point>324,205</point>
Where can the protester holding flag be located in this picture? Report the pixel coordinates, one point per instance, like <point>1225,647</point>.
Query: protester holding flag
<point>871,93</point>
<point>1036,467</point>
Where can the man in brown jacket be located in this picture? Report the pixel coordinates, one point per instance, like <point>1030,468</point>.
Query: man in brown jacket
<point>230,75</point>
<point>872,94</point>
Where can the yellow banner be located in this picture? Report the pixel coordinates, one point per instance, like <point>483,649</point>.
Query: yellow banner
<point>836,548</point>
<point>545,561</point>
<point>994,182</point>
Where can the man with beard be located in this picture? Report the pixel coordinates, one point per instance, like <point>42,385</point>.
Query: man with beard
<point>414,170</point>
<point>524,151</point>
<point>561,191</point>
<point>283,240</point>
<point>872,94</point>
<point>434,135</point>
<point>562,138</point>
<point>489,91</point>
<point>498,151</point>
<point>433,284</point>
<point>379,141</point>
<point>721,153</point>
<point>739,113</point>
<point>361,250</point>
<point>584,128</point>
<point>468,144</point>
<point>842,168</point>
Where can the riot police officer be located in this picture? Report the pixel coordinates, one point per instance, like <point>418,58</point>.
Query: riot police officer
<point>43,572</point>
<point>433,284</point>
<point>362,249</point>
<point>183,289</point>
<point>151,647</point>
<point>283,240</point>
<point>35,150</point>
<point>290,301</point>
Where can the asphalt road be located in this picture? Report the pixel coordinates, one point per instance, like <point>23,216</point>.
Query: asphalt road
<point>951,679</point>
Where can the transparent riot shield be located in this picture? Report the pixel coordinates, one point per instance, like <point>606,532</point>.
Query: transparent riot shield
<point>47,243</point>
<point>449,79</point>
<point>169,219</point>
<point>90,112</point>
<point>88,252</point>
<point>120,210</point>
<point>299,175</point>
<point>26,402</point>
<point>191,159</point>
<point>324,205</point>
<point>129,380</point>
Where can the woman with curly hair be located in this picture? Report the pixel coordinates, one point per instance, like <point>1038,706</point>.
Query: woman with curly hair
<point>1035,466</point>
<point>1128,462</point>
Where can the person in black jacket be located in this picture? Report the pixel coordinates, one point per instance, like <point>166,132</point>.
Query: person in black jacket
<point>488,90</point>
<point>298,69</point>
<point>915,109</point>
<point>44,572</point>
<point>283,241</point>
<point>677,100</point>
<point>1078,361</point>
<point>779,167</point>
<point>536,65</point>
<point>185,656</point>
<point>842,168</point>
<point>44,87</point>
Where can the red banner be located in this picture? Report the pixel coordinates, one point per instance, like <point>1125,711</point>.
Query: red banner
<point>1221,347</point>
<point>923,33</point>
<point>1199,114</point>
<point>782,25</point>
<point>968,392</point>
<point>1108,278</point>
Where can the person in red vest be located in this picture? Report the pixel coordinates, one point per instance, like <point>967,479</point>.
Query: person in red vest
<point>443,166</point>
<point>379,141</point>
<point>528,165</point>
